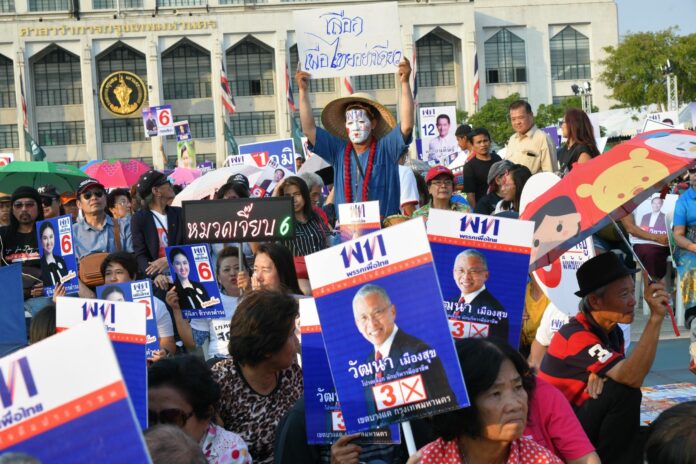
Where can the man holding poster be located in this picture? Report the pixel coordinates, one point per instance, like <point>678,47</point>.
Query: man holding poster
<point>362,142</point>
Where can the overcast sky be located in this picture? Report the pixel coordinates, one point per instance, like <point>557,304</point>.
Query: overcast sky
<point>656,15</point>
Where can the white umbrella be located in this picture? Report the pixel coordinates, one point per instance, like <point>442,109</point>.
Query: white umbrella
<point>208,184</point>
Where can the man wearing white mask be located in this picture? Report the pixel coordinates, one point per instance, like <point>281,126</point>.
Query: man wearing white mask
<point>358,128</point>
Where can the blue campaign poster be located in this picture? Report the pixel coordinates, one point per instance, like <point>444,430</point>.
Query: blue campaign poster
<point>196,287</point>
<point>139,291</point>
<point>281,151</point>
<point>58,263</point>
<point>13,329</point>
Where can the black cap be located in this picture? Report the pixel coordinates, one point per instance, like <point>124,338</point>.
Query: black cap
<point>88,184</point>
<point>600,271</point>
<point>238,179</point>
<point>48,190</point>
<point>26,192</point>
<point>151,178</point>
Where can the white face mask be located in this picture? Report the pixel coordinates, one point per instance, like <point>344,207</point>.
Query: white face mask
<point>358,125</point>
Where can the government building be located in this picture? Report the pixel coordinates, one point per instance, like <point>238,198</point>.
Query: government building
<point>62,50</point>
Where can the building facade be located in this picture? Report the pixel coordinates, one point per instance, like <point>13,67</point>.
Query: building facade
<point>60,51</point>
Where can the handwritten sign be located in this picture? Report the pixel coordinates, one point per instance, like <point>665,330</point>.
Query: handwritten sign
<point>238,220</point>
<point>346,40</point>
<point>64,400</point>
<point>57,253</point>
<point>281,151</point>
<point>358,219</point>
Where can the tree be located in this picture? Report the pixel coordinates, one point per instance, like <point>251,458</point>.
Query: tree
<point>494,117</point>
<point>632,69</point>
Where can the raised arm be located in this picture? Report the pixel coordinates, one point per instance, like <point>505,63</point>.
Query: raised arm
<point>406,99</point>
<point>306,116</point>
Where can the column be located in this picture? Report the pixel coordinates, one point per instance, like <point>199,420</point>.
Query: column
<point>154,91</point>
<point>90,101</point>
<point>282,107</point>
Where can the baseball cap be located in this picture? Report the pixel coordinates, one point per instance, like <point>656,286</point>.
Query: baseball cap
<point>67,197</point>
<point>438,171</point>
<point>151,178</point>
<point>48,190</point>
<point>88,184</point>
<point>238,179</point>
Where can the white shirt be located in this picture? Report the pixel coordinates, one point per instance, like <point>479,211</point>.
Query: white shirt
<point>386,346</point>
<point>165,328</point>
<point>440,147</point>
<point>469,297</point>
<point>409,188</point>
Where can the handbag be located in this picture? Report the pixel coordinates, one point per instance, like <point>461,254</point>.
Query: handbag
<point>90,265</point>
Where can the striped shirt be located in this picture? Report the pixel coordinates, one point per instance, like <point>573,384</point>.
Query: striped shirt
<point>310,237</point>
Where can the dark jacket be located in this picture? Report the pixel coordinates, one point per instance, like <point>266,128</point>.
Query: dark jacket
<point>144,234</point>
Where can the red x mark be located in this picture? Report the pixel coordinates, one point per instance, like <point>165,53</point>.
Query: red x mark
<point>412,389</point>
<point>479,330</point>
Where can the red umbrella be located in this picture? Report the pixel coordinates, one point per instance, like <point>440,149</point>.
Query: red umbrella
<point>114,174</point>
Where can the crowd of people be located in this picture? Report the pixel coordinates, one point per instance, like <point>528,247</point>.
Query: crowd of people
<point>230,390</point>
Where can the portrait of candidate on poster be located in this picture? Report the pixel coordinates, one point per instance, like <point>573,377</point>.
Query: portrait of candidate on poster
<point>196,287</point>
<point>58,264</point>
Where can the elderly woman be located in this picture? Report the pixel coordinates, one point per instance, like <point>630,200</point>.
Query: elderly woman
<point>440,182</point>
<point>262,380</point>
<point>182,392</point>
<point>274,269</point>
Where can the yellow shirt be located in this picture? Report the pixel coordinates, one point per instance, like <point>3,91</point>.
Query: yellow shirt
<point>535,310</point>
<point>534,141</point>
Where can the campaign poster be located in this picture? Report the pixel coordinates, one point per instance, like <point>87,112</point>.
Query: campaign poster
<point>324,418</point>
<point>206,166</point>
<point>125,325</point>
<point>269,178</point>
<point>139,291</point>
<point>186,154</point>
<point>64,401</point>
<point>13,328</point>
<point>482,263</point>
<point>281,151</point>
<point>651,216</point>
<point>183,131</point>
<point>58,264</point>
<point>158,120</point>
<point>391,355</point>
<point>358,219</point>
<point>196,287</point>
<point>437,127</point>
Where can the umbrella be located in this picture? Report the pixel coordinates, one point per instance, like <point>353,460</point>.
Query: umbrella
<point>84,167</point>
<point>184,176</point>
<point>208,184</point>
<point>115,174</point>
<point>63,177</point>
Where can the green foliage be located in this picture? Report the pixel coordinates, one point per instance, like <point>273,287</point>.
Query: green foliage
<point>462,116</point>
<point>632,69</point>
<point>494,117</point>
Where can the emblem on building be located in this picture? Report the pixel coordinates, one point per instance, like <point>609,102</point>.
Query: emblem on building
<point>122,93</point>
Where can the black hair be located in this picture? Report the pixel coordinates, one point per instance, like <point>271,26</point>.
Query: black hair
<point>14,223</point>
<point>559,206</point>
<point>478,131</point>
<point>111,197</point>
<point>463,130</point>
<point>239,189</point>
<point>517,104</point>
<point>443,116</point>
<point>43,324</point>
<point>672,437</point>
<point>520,175</point>
<point>284,263</point>
<point>304,191</point>
<point>174,252</point>
<point>125,259</point>
<point>47,225</point>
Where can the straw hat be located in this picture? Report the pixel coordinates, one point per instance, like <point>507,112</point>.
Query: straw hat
<point>334,115</point>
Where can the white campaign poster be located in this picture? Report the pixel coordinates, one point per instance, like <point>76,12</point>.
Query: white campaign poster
<point>437,127</point>
<point>651,216</point>
<point>345,40</point>
<point>358,219</point>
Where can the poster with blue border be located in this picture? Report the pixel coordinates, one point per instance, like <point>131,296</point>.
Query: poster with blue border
<point>194,279</point>
<point>125,325</point>
<point>13,328</point>
<point>62,403</point>
<point>139,291</point>
<point>482,263</point>
<point>58,264</point>
<point>358,219</point>
<point>388,365</point>
<point>282,151</point>
<point>324,418</point>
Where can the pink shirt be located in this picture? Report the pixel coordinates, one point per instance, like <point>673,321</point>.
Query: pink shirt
<point>522,451</point>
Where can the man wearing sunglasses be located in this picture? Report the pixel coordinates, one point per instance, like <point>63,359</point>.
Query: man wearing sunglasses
<point>94,232</point>
<point>50,200</point>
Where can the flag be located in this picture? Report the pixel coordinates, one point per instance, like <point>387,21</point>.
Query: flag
<point>348,83</point>
<point>476,79</point>
<point>415,75</point>
<point>30,145</point>
<point>288,90</point>
<point>24,102</point>
<point>227,98</point>
<point>233,147</point>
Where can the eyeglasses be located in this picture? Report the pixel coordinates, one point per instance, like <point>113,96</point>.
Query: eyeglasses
<point>25,204</point>
<point>168,416</point>
<point>88,195</point>
<point>123,203</point>
<point>439,182</point>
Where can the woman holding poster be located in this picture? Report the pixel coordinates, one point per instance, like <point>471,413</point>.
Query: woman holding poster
<point>192,294</point>
<point>53,268</point>
<point>311,231</point>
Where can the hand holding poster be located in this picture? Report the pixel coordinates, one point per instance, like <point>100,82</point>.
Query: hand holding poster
<point>58,264</point>
<point>282,152</point>
<point>482,264</point>
<point>358,219</point>
<point>62,403</point>
<point>196,287</point>
<point>387,364</point>
<point>348,40</point>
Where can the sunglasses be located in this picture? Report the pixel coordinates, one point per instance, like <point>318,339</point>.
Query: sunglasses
<point>47,201</point>
<point>25,204</point>
<point>97,194</point>
<point>168,416</point>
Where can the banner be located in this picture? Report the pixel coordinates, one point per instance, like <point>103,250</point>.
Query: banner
<point>281,151</point>
<point>158,120</point>
<point>196,287</point>
<point>125,325</point>
<point>64,401</point>
<point>349,40</point>
<point>139,291</point>
<point>324,418</point>
<point>482,264</point>
<point>186,154</point>
<point>13,328</point>
<point>271,176</point>
<point>437,126</point>
<point>58,264</point>
<point>391,355</point>
<point>358,219</point>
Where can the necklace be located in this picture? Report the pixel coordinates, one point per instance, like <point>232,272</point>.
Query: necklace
<point>347,186</point>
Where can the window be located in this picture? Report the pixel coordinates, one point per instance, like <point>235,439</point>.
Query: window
<point>186,72</point>
<point>250,69</point>
<point>7,6</point>
<point>121,58</point>
<point>122,130</point>
<point>256,123</point>
<point>61,133</point>
<point>202,125</point>
<point>7,88</point>
<point>374,81</point>
<point>505,58</point>
<point>165,3</point>
<point>558,100</point>
<point>326,84</point>
<point>48,5</point>
<point>111,4</point>
<point>435,58</point>
<point>9,137</point>
<point>570,55</point>
<point>57,79</point>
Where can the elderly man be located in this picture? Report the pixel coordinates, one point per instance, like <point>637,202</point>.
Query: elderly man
<point>360,129</point>
<point>5,208</point>
<point>475,304</point>
<point>529,145</point>
<point>588,352</point>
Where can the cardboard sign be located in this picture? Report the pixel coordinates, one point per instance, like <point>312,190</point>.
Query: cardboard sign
<point>58,264</point>
<point>651,216</point>
<point>238,220</point>
<point>13,328</point>
<point>438,125</point>
<point>281,151</point>
<point>482,264</point>
<point>358,219</point>
<point>349,40</point>
<point>194,279</point>
<point>183,131</point>
<point>125,325</point>
<point>139,291</point>
<point>324,418</point>
<point>388,365</point>
<point>158,120</point>
<point>63,400</point>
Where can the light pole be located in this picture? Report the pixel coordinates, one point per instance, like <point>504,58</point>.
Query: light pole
<point>585,92</point>
<point>671,83</point>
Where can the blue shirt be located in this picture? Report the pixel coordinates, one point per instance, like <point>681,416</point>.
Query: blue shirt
<point>685,209</point>
<point>384,184</point>
<point>88,240</point>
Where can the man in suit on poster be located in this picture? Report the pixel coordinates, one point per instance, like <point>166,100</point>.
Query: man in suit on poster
<point>475,303</point>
